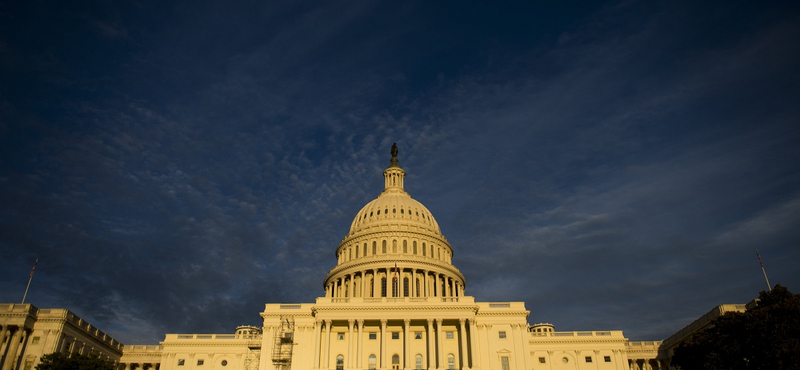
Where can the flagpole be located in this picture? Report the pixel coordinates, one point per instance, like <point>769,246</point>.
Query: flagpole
<point>29,281</point>
<point>763,270</point>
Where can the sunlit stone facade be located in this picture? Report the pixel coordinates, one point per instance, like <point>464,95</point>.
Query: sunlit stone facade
<point>27,333</point>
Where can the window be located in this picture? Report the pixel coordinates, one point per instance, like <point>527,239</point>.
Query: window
<point>372,361</point>
<point>448,335</point>
<point>501,335</point>
<point>224,363</point>
<point>418,362</point>
<point>405,287</point>
<point>451,361</point>
<point>423,250</point>
<point>373,336</point>
<point>200,362</point>
<point>588,359</point>
<point>181,362</point>
<point>383,249</point>
<point>414,244</point>
<point>35,340</point>
<point>340,336</point>
<point>395,362</point>
<point>383,287</point>
<point>607,358</point>
<point>405,247</point>
<point>374,248</point>
<point>417,335</point>
<point>542,360</point>
<point>504,363</point>
<point>395,335</point>
<point>339,362</point>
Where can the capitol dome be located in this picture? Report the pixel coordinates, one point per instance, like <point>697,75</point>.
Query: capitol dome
<point>394,237</point>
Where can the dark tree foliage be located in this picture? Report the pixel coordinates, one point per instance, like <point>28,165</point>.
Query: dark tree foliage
<point>60,361</point>
<point>764,337</point>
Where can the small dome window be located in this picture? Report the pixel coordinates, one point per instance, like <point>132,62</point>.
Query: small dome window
<point>379,212</point>
<point>370,214</point>
<point>386,211</point>
<point>394,210</point>
<point>401,211</point>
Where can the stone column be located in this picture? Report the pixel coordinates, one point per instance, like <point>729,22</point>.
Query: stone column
<point>406,343</point>
<point>349,362</point>
<point>463,339</point>
<point>425,291</point>
<point>431,347</point>
<point>383,344</point>
<point>317,340</point>
<point>12,347</point>
<point>3,334</point>
<point>328,333</point>
<point>360,344</point>
<point>519,337</point>
<point>413,292</point>
<point>439,350</point>
<point>374,282</point>
<point>351,292</point>
<point>363,284</point>
<point>473,341</point>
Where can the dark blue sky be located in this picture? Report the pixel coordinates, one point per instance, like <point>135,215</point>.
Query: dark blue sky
<point>176,165</point>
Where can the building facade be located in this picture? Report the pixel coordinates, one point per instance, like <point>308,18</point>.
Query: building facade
<point>27,333</point>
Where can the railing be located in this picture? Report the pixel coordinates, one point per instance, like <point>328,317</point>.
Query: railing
<point>465,299</point>
<point>571,334</point>
<point>203,336</point>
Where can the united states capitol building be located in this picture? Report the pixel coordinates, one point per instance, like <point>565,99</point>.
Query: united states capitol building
<point>394,300</point>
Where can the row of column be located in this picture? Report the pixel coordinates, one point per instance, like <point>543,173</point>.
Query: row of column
<point>140,366</point>
<point>13,341</point>
<point>434,357</point>
<point>345,286</point>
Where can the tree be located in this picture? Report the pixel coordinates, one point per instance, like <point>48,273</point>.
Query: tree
<point>764,337</point>
<point>60,361</point>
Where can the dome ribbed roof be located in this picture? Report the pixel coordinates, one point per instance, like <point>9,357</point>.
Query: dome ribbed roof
<point>394,206</point>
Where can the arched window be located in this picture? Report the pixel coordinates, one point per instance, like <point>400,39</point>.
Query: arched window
<point>423,250</point>
<point>417,288</point>
<point>394,246</point>
<point>349,254</point>
<point>373,362</point>
<point>365,250</point>
<point>372,287</point>
<point>357,250</point>
<point>383,287</point>
<point>384,247</point>
<point>414,245</point>
<point>340,362</point>
<point>405,287</point>
<point>405,247</point>
<point>451,361</point>
<point>395,362</point>
<point>395,288</point>
<point>374,248</point>
<point>418,361</point>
